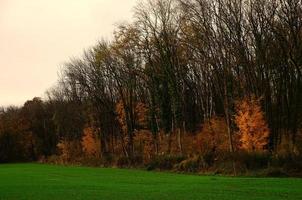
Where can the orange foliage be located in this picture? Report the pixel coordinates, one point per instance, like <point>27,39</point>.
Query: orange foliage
<point>90,143</point>
<point>213,136</point>
<point>253,129</point>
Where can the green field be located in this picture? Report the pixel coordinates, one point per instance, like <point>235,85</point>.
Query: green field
<point>37,181</point>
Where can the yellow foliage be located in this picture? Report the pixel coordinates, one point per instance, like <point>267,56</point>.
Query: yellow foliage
<point>253,129</point>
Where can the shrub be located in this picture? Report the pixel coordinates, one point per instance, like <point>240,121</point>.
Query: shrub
<point>107,159</point>
<point>298,144</point>
<point>193,164</point>
<point>165,162</point>
<point>289,146</point>
<point>143,140</point>
<point>92,161</point>
<point>133,161</point>
<point>274,172</point>
<point>252,160</point>
<point>242,162</point>
<point>213,136</point>
<point>292,164</point>
<point>122,161</point>
<point>70,151</point>
<point>53,159</point>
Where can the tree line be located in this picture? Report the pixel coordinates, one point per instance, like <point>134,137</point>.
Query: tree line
<point>184,78</point>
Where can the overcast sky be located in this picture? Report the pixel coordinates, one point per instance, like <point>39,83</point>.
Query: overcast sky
<point>38,36</point>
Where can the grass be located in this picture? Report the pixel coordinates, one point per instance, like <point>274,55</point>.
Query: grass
<point>38,181</point>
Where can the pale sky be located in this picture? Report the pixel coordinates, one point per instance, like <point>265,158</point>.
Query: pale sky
<point>38,36</point>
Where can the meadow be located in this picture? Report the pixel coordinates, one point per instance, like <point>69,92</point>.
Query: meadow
<point>40,181</point>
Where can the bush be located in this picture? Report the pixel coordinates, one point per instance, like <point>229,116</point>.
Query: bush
<point>213,136</point>
<point>91,161</point>
<point>240,162</point>
<point>165,162</point>
<point>53,159</point>
<point>70,151</point>
<point>193,164</point>
<point>250,160</point>
<point>122,161</point>
<point>107,159</point>
<point>134,161</point>
<point>290,163</point>
<point>274,172</point>
<point>254,161</point>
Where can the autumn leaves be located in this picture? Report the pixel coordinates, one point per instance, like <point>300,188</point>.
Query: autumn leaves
<point>253,128</point>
